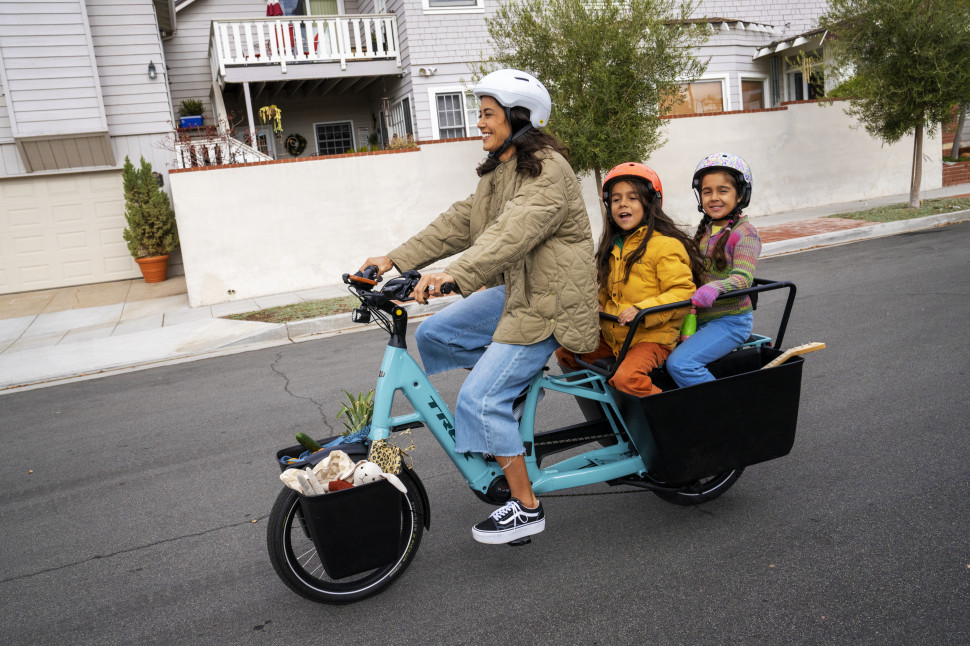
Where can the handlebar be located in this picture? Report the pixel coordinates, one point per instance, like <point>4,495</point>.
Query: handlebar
<point>760,285</point>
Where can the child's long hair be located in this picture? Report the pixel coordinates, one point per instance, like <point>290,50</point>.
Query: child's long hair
<point>655,220</point>
<point>718,255</point>
<point>526,146</point>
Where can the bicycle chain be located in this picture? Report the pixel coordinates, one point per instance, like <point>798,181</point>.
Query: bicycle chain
<point>575,439</point>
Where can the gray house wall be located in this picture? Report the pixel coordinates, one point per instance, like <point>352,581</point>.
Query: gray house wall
<point>792,16</point>
<point>75,88</point>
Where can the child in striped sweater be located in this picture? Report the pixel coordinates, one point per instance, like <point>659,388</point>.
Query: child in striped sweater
<point>731,246</point>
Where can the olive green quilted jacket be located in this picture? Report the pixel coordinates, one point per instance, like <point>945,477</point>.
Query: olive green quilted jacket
<point>533,236</point>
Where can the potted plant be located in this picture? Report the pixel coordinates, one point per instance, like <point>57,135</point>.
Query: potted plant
<point>151,233</point>
<point>190,113</point>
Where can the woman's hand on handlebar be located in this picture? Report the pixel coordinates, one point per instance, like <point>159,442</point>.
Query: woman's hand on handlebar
<point>430,286</point>
<point>383,264</point>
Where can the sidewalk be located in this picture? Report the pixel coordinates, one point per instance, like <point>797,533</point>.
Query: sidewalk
<point>47,337</point>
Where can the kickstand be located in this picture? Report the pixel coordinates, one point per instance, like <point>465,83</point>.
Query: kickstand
<point>519,542</point>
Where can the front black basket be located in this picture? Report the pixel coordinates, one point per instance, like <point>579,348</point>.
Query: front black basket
<point>357,529</point>
<point>746,416</point>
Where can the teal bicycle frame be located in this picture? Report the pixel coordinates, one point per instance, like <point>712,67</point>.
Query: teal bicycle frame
<point>400,372</point>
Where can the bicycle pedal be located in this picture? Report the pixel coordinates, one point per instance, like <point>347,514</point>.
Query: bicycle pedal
<point>519,542</point>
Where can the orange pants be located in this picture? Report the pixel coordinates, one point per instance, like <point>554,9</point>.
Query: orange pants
<point>632,375</point>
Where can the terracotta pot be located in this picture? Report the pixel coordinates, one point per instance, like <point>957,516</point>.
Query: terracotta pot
<point>153,268</point>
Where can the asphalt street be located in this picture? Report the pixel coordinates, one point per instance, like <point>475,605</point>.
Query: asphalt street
<point>134,507</point>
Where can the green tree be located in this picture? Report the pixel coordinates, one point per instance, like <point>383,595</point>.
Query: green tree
<point>612,67</point>
<point>905,65</point>
<point>151,227</point>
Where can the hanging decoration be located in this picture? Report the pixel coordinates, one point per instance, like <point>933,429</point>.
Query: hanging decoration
<point>295,144</point>
<point>272,114</point>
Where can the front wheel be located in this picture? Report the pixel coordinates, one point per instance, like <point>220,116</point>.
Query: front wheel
<point>295,558</point>
<point>703,490</point>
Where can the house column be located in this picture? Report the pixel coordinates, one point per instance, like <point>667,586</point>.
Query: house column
<point>249,115</point>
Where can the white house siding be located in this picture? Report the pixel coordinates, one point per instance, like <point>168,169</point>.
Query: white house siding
<point>48,69</point>
<point>729,57</point>
<point>126,39</point>
<point>5,133</point>
<point>792,16</point>
<point>187,52</point>
<point>451,43</point>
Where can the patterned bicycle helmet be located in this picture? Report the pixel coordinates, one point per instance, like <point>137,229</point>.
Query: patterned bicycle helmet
<point>633,170</point>
<point>726,162</point>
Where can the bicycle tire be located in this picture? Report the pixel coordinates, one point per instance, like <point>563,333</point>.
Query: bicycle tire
<point>703,490</point>
<point>295,558</point>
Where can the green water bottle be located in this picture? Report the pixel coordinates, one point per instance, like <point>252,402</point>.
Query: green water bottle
<point>689,326</point>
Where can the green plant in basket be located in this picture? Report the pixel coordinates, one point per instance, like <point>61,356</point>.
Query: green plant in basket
<point>357,411</point>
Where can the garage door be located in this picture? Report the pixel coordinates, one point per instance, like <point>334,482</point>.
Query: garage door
<point>62,230</point>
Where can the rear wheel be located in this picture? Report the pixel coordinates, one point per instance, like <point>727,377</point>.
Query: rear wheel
<point>295,558</point>
<point>703,490</point>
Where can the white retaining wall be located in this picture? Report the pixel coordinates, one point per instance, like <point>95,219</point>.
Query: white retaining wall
<point>280,227</point>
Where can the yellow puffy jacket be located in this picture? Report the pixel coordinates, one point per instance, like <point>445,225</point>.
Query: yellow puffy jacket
<point>661,276</point>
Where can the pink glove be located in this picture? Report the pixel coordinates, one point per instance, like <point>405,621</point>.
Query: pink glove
<point>704,297</point>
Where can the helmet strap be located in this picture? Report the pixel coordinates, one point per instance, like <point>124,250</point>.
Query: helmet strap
<point>510,139</point>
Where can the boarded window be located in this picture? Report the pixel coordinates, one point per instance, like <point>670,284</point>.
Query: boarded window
<point>700,97</point>
<point>752,94</point>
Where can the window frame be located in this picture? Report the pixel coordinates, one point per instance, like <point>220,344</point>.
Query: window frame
<point>408,117</point>
<point>765,89</point>
<point>433,93</point>
<point>316,136</point>
<point>725,80</point>
<point>428,9</point>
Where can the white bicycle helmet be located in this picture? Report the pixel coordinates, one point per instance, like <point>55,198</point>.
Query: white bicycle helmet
<point>512,88</point>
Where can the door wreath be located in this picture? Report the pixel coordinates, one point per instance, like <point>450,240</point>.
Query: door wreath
<point>295,144</point>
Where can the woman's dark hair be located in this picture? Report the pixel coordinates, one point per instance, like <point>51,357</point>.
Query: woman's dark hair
<point>655,220</point>
<point>718,255</point>
<point>526,146</point>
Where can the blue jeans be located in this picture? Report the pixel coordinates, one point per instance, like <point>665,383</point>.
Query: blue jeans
<point>460,336</point>
<point>687,364</point>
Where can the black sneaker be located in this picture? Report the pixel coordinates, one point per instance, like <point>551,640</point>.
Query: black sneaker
<point>510,521</point>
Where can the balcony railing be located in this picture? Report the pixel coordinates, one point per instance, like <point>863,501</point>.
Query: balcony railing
<point>298,39</point>
<point>215,151</point>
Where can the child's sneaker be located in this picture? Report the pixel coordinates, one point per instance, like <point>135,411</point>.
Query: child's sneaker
<point>510,521</point>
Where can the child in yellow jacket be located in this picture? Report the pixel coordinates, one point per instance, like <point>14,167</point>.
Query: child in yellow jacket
<point>643,260</point>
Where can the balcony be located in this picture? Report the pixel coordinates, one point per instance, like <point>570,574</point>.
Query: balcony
<point>304,47</point>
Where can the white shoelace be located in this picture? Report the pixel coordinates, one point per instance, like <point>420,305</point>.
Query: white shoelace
<point>508,508</point>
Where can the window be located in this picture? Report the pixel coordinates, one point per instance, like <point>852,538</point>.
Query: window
<point>266,141</point>
<point>699,97</point>
<point>400,124</point>
<point>334,138</point>
<point>752,94</point>
<point>453,6</point>
<point>804,78</point>
<point>454,113</point>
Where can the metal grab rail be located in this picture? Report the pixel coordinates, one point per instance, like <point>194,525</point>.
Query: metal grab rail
<point>760,285</point>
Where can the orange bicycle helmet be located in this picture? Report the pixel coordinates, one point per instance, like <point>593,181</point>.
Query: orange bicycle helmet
<point>632,170</point>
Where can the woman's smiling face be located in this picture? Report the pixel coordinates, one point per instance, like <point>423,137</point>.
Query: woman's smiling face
<point>493,124</point>
<point>626,209</point>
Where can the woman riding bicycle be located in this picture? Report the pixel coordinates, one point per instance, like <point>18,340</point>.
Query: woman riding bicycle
<point>526,240</point>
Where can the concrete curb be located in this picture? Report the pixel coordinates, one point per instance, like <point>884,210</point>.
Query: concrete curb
<point>877,230</point>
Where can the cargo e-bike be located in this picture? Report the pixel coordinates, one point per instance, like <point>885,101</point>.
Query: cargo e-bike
<point>680,444</point>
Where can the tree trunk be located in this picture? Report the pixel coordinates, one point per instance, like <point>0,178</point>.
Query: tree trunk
<point>917,167</point>
<point>598,176</point>
<point>955,151</point>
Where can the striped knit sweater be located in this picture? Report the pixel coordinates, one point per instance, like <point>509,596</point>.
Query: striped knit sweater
<point>742,251</point>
